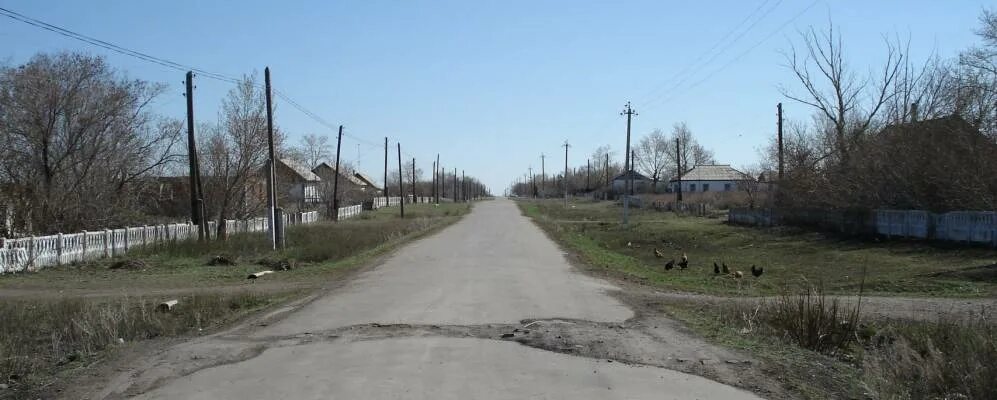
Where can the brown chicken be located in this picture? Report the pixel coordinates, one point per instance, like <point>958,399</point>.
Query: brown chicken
<point>658,253</point>
<point>738,274</point>
<point>685,262</point>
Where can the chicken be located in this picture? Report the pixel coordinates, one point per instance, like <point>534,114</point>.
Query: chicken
<point>716,268</point>
<point>725,269</point>
<point>738,274</point>
<point>658,253</point>
<point>685,262</point>
<point>669,265</point>
<point>630,244</point>
<point>756,272</point>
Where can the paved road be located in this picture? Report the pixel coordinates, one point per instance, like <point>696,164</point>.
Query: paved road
<point>493,267</point>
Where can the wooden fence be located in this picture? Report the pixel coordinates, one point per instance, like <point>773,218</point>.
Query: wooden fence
<point>36,252</point>
<point>33,253</point>
<point>956,226</point>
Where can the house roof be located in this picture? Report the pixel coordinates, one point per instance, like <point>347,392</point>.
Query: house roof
<point>944,126</point>
<point>636,176</point>
<point>348,177</point>
<point>366,178</point>
<point>719,172</point>
<point>300,170</point>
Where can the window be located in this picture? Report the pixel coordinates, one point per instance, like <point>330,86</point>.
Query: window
<point>706,187</point>
<point>692,187</point>
<point>726,187</point>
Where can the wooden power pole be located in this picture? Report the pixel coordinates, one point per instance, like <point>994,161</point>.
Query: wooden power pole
<point>778,108</point>
<point>401,188</point>
<point>197,214</point>
<point>566,145</point>
<point>543,176</point>
<point>678,167</point>
<point>387,198</point>
<point>335,179</point>
<point>414,198</point>
<point>629,112</point>
<point>272,178</point>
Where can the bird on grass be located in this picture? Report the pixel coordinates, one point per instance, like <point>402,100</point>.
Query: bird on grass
<point>738,274</point>
<point>669,265</point>
<point>756,272</point>
<point>716,268</point>
<point>685,262</point>
<point>658,253</point>
<point>725,269</point>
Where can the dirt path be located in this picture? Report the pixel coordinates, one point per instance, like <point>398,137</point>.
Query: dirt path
<point>487,308</point>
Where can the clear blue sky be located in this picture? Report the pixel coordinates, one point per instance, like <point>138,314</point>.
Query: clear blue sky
<point>491,85</point>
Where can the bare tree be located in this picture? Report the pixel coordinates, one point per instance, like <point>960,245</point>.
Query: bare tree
<point>78,142</point>
<point>690,152</point>
<point>312,150</point>
<point>236,154</point>
<point>652,156</point>
<point>850,103</point>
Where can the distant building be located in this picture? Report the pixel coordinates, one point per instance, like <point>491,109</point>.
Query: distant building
<point>709,178</point>
<point>297,182</point>
<point>641,183</point>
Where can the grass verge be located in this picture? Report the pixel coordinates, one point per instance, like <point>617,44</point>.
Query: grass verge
<point>820,349</point>
<point>791,259</point>
<point>47,335</point>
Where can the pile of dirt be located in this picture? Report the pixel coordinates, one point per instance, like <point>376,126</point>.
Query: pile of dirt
<point>283,264</point>
<point>133,265</point>
<point>221,260</point>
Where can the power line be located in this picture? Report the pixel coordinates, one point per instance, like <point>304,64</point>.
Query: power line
<point>714,56</point>
<point>742,54</point>
<point>111,46</point>
<point>699,58</point>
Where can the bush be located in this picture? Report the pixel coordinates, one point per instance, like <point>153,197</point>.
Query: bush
<point>950,359</point>
<point>814,321</point>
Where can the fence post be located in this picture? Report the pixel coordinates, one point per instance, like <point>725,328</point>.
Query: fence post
<point>127,234</point>
<point>166,233</point>
<point>58,249</point>
<point>31,254</point>
<point>107,243</point>
<point>83,254</point>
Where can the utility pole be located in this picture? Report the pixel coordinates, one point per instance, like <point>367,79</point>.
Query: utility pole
<point>436,175</point>
<point>414,198</point>
<point>401,189</point>
<point>607,171</point>
<point>533,186</point>
<point>443,183</point>
<point>779,133</point>
<point>335,179</point>
<point>463,186</point>
<point>678,167</point>
<point>566,145</point>
<point>272,178</point>
<point>629,112</point>
<point>543,176</point>
<point>588,174</point>
<point>197,216</point>
<point>455,185</point>
<point>432,192</point>
<point>387,199</point>
<point>633,159</point>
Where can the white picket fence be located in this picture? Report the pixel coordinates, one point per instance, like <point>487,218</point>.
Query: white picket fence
<point>33,253</point>
<point>36,252</point>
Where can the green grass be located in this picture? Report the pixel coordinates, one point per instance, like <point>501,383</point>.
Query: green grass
<point>790,258</point>
<point>45,335</point>
<point>317,250</point>
<point>882,359</point>
<point>41,341</point>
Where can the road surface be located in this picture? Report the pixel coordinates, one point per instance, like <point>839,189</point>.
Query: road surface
<point>428,324</point>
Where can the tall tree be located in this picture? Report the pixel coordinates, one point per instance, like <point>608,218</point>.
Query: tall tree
<point>236,154</point>
<point>78,142</point>
<point>652,156</point>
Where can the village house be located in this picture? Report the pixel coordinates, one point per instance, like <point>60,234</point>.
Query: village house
<point>709,178</point>
<point>297,183</point>
<point>641,183</point>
